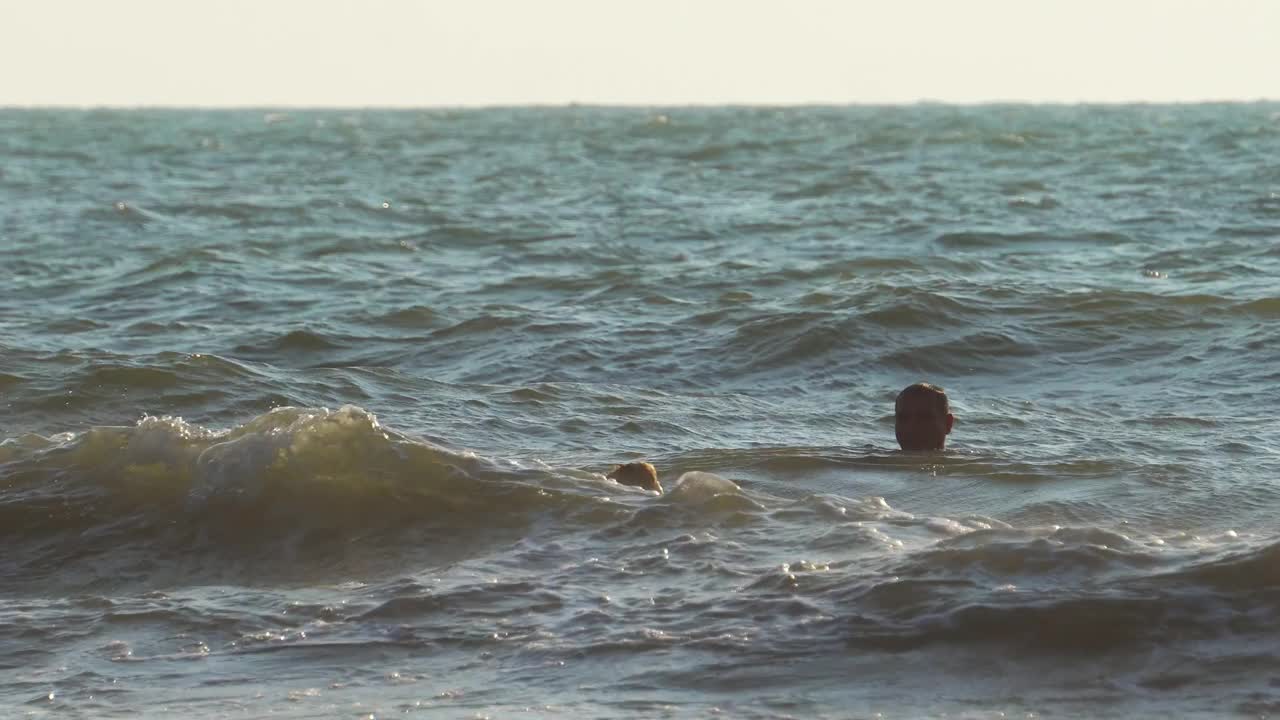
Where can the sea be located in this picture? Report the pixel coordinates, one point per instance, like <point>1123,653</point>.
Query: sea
<point>308,413</point>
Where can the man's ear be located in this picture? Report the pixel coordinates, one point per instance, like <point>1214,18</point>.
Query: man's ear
<point>951,420</point>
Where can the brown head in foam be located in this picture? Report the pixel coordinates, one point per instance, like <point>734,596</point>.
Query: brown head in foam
<point>638,474</point>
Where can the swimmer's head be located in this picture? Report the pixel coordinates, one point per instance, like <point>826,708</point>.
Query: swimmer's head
<point>638,474</point>
<point>922,417</point>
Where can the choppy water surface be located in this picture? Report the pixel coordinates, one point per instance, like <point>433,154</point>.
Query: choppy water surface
<point>306,414</point>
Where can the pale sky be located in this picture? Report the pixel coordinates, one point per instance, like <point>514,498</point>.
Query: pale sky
<point>515,52</point>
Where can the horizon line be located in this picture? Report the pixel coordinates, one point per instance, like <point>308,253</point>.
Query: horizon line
<point>635,105</point>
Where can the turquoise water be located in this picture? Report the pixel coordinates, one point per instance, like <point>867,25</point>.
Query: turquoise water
<point>307,414</point>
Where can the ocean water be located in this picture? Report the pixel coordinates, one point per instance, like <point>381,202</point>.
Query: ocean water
<point>307,414</point>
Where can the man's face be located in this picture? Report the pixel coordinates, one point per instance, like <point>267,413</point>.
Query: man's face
<point>920,425</point>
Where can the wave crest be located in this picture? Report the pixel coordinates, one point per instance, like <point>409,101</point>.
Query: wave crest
<point>292,482</point>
